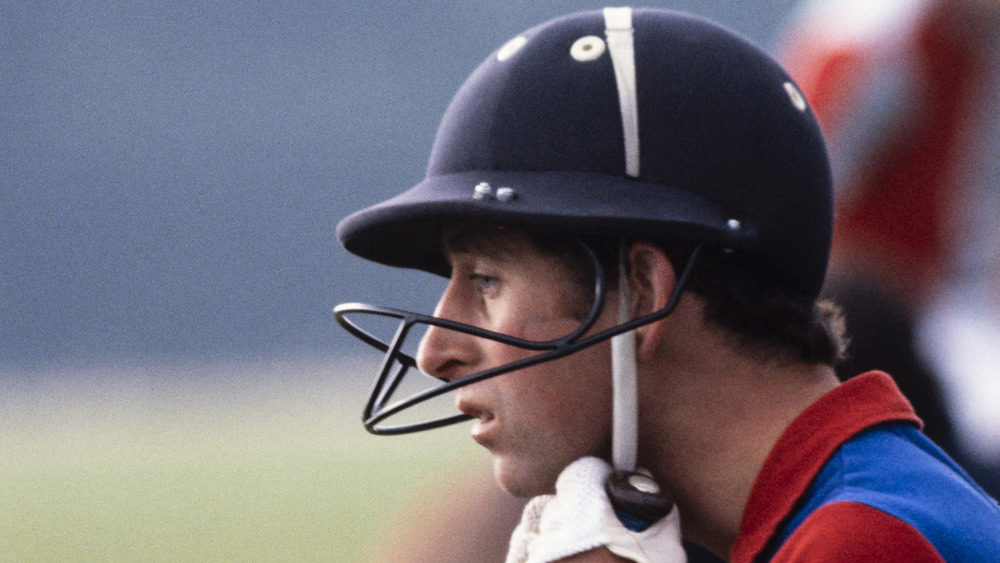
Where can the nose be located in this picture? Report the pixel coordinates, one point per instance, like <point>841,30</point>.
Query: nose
<point>443,353</point>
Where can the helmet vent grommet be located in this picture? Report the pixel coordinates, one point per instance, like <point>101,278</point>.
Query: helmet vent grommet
<point>511,47</point>
<point>587,48</point>
<point>798,100</point>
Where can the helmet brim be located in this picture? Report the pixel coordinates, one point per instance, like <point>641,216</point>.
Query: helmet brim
<point>405,231</point>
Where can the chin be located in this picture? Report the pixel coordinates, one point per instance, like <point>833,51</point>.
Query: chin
<point>524,479</point>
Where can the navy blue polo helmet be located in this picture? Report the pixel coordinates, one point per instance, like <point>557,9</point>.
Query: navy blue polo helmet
<point>726,150</point>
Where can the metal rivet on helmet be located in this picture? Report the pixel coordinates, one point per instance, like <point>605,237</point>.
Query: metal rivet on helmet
<point>482,191</point>
<point>506,194</point>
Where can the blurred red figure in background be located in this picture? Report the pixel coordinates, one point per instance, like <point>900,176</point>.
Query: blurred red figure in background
<point>908,95</point>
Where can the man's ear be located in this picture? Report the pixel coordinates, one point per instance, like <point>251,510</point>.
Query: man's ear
<point>651,284</point>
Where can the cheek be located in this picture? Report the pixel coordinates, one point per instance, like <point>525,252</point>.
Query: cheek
<point>553,414</point>
<point>567,400</point>
<point>536,318</point>
<point>569,392</point>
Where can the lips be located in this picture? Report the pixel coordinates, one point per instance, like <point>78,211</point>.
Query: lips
<point>485,430</point>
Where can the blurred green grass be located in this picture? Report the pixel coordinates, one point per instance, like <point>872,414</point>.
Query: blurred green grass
<point>205,463</point>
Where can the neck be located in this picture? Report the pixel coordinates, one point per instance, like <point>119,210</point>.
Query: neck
<point>716,417</point>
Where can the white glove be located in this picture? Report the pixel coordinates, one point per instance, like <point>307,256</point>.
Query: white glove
<point>579,517</point>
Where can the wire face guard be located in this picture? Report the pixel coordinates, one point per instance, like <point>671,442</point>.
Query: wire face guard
<point>396,364</point>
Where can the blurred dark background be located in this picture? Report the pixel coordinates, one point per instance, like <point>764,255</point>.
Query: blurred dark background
<point>171,174</point>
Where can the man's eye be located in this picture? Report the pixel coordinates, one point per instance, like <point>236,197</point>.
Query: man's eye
<point>485,283</point>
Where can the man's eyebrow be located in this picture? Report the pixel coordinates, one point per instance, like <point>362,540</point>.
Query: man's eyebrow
<point>490,244</point>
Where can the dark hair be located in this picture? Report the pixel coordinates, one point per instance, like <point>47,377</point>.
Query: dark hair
<point>764,320</point>
<point>740,297</point>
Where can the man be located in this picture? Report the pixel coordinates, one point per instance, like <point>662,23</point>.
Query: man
<point>633,209</point>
